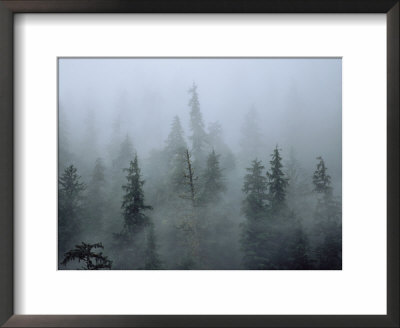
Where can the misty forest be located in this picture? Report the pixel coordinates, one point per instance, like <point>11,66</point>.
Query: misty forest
<point>199,164</point>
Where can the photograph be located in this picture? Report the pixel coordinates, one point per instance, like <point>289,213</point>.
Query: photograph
<point>199,163</point>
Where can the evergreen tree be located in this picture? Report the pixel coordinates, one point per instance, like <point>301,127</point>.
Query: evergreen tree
<point>126,153</point>
<point>321,179</point>
<point>227,161</point>
<point>212,179</point>
<point>69,207</point>
<point>133,205</point>
<point>328,219</point>
<point>277,182</point>
<point>175,142</point>
<point>190,180</point>
<point>84,253</point>
<point>199,136</point>
<point>254,232</point>
<point>176,152</point>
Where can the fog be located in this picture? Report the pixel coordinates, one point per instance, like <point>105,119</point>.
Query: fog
<point>250,107</point>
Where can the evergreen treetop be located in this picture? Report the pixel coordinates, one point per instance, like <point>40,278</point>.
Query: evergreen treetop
<point>199,136</point>
<point>255,188</point>
<point>321,179</point>
<point>212,178</point>
<point>133,205</point>
<point>277,182</point>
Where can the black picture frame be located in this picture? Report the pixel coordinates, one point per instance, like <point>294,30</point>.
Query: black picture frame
<point>10,7</point>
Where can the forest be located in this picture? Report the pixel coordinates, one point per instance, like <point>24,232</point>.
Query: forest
<point>193,202</point>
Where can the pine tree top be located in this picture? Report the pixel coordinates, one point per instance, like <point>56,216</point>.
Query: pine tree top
<point>321,179</point>
<point>277,182</point>
<point>70,181</point>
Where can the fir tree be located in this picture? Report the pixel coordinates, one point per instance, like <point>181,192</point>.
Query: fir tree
<point>176,152</point>
<point>254,232</point>
<point>199,136</point>
<point>328,219</point>
<point>175,142</point>
<point>69,207</point>
<point>190,180</point>
<point>133,205</point>
<point>321,179</point>
<point>215,140</point>
<point>212,179</point>
<point>92,260</point>
<point>277,182</point>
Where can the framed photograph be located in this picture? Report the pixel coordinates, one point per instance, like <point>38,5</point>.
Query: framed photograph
<point>201,164</point>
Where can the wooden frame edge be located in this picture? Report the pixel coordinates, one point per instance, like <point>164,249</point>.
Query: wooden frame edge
<point>9,7</point>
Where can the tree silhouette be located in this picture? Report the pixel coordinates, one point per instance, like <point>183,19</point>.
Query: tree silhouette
<point>83,253</point>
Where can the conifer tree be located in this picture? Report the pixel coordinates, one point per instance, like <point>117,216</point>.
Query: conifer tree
<point>328,218</point>
<point>212,179</point>
<point>83,253</point>
<point>176,155</point>
<point>190,180</point>
<point>321,179</point>
<point>277,182</point>
<point>133,205</point>
<point>199,136</point>
<point>69,207</point>
<point>215,140</point>
<point>254,232</point>
<point>175,142</point>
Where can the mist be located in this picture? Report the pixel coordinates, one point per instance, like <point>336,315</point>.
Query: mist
<point>215,121</point>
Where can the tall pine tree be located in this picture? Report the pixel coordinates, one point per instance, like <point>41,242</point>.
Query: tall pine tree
<point>328,219</point>
<point>212,180</point>
<point>133,205</point>
<point>277,182</point>
<point>199,136</point>
<point>176,155</point>
<point>254,229</point>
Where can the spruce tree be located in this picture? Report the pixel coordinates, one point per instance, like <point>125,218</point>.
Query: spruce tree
<point>254,232</point>
<point>176,155</point>
<point>133,205</point>
<point>321,179</point>
<point>199,136</point>
<point>83,253</point>
<point>212,179</point>
<point>70,206</point>
<point>328,219</point>
<point>277,182</point>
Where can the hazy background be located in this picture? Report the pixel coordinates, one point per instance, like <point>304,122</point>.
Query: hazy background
<point>259,103</point>
<point>298,100</point>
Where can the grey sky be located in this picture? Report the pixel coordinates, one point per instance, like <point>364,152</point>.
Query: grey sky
<point>298,100</point>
